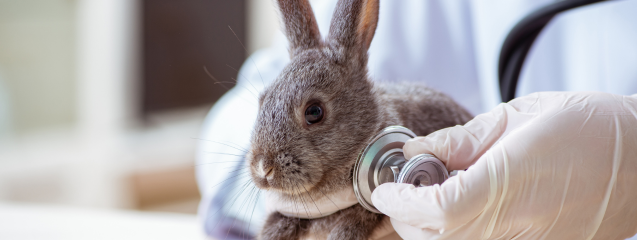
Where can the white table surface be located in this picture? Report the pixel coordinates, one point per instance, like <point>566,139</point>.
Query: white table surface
<point>30,221</point>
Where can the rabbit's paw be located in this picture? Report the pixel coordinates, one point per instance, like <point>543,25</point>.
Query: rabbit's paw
<point>355,223</point>
<point>281,227</point>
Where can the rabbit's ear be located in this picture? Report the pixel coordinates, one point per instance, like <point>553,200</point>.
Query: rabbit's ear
<point>300,25</point>
<point>353,26</point>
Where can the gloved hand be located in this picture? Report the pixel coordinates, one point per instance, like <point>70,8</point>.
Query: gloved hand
<point>546,166</point>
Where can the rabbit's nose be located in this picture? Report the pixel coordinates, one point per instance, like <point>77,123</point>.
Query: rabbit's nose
<point>263,171</point>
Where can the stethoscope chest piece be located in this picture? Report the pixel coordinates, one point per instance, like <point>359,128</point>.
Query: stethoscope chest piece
<point>423,170</point>
<point>383,161</point>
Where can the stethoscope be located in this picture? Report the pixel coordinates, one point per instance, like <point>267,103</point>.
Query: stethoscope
<point>383,161</point>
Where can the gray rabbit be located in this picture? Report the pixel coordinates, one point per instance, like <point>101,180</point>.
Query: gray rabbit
<point>322,110</point>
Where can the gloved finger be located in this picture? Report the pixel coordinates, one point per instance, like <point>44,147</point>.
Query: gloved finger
<point>453,146</point>
<point>438,207</point>
<point>460,147</point>
<point>408,232</point>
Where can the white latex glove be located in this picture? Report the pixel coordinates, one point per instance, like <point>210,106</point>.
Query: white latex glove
<point>546,166</point>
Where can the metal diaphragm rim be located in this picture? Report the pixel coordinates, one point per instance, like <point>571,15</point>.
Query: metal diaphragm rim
<point>423,164</point>
<point>391,138</point>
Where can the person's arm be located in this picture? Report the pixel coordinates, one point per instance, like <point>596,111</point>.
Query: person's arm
<point>545,166</point>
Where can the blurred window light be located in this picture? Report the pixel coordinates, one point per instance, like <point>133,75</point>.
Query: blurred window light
<point>37,60</point>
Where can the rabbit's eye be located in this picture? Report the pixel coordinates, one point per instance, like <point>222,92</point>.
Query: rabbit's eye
<point>313,114</point>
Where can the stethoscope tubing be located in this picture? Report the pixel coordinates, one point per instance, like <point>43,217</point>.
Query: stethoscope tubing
<point>520,39</point>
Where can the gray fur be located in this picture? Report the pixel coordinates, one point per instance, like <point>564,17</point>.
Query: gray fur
<point>310,161</point>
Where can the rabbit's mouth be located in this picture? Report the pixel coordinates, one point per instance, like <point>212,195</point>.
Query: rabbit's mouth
<point>281,180</point>
<point>261,175</point>
<point>270,179</point>
<point>284,173</point>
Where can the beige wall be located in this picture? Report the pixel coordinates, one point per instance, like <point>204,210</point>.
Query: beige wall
<point>37,62</point>
<point>38,53</point>
<point>263,24</point>
<point>71,64</point>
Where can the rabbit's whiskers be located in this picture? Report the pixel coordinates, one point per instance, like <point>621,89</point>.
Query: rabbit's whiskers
<point>241,207</point>
<point>305,207</point>
<point>221,83</point>
<point>229,154</point>
<point>244,77</point>
<point>254,206</point>
<point>235,184</point>
<point>310,195</point>
<point>246,50</point>
<point>227,144</point>
<point>229,178</point>
<point>243,188</point>
<point>328,198</point>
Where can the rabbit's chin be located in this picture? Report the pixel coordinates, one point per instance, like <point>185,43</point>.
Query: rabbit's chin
<point>290,192</point>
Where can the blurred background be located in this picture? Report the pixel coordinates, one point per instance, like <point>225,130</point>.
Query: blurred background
<point>101,100</point>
